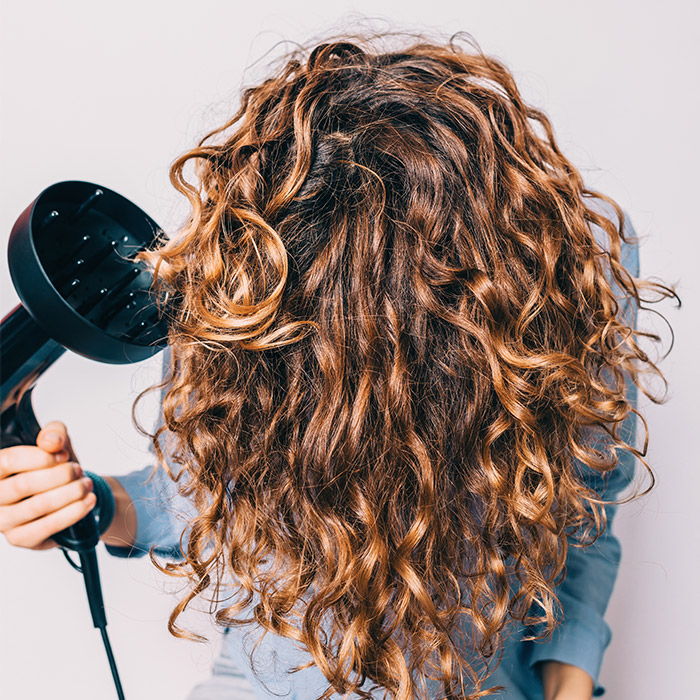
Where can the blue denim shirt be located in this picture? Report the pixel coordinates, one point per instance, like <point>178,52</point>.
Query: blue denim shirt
<point>581,639</point>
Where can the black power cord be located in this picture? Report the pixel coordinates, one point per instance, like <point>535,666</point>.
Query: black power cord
<point>112,664</point>
<point>102,515</point>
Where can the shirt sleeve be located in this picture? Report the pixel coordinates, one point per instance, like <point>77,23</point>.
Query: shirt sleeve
<point>162,513</point>
<point>583,635</point>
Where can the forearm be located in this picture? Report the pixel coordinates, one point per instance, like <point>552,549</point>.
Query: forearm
<point>562,681</point>
<point>122,531</point>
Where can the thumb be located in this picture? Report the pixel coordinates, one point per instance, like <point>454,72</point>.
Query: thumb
<point>53,437</point>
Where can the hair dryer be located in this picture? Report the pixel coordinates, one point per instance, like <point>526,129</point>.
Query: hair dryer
<point>70,257</point>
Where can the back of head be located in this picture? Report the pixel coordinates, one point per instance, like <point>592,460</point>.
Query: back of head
<point>394,333</point>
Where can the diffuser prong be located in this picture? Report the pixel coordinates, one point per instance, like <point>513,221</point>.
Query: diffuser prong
<point>93,301</point>
<point>142,327</point>
<point>70,255</point>
<point>119,305</point>
<point>90,201</point>
<point>49,218</point>
<point>90,264</point>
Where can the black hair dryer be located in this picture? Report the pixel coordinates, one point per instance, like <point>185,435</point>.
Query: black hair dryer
<point>71,261</point>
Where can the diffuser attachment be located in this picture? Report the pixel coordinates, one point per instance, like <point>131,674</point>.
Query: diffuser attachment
<point>71,261</point>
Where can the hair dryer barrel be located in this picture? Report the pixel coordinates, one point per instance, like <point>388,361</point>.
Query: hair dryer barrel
<point>27,351</point>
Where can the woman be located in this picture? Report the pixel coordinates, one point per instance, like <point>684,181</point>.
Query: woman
<point>399,400</point>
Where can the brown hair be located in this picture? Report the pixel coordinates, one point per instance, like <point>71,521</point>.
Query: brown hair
<point>393,335</point>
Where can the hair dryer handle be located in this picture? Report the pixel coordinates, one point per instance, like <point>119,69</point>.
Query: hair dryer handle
<point>20,427</point>
<point>19,424</point>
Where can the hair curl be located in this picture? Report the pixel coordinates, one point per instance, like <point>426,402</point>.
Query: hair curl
<point>393,335</point>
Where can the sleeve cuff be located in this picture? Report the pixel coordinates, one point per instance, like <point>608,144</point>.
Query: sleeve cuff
<point>578,641</point>
<point>154,522</point>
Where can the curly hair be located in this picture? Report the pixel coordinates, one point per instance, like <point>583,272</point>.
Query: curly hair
<point>394,336</point>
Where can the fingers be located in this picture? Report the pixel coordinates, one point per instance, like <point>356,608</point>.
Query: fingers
<point>19,458</point>
<point>41,492</point>
<point>15,488</point>
<point>46,544</point>
<point>34,534</point>
<point>43,504</point>
<point>53,437</point>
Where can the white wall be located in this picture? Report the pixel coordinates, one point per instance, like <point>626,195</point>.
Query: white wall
<point>112,92</point>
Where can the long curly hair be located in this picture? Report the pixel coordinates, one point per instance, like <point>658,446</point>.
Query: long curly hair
<point>394,335</point>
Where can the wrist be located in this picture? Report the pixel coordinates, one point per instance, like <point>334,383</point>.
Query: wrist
<point>562,681</point>
<point>122,530</point>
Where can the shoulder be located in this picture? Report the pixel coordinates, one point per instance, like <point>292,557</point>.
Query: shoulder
<point>629,249</point>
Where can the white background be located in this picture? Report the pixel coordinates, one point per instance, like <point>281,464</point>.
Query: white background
<point>112,92</point>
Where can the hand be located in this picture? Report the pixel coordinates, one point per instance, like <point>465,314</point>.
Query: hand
<point>41,489</point>
<point>562,681</point>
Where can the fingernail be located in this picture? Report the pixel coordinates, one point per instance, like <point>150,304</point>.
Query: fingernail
<point>61,456</point>
<point>52,437</point>
<point>88,482</point>
<point>78,471</point>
